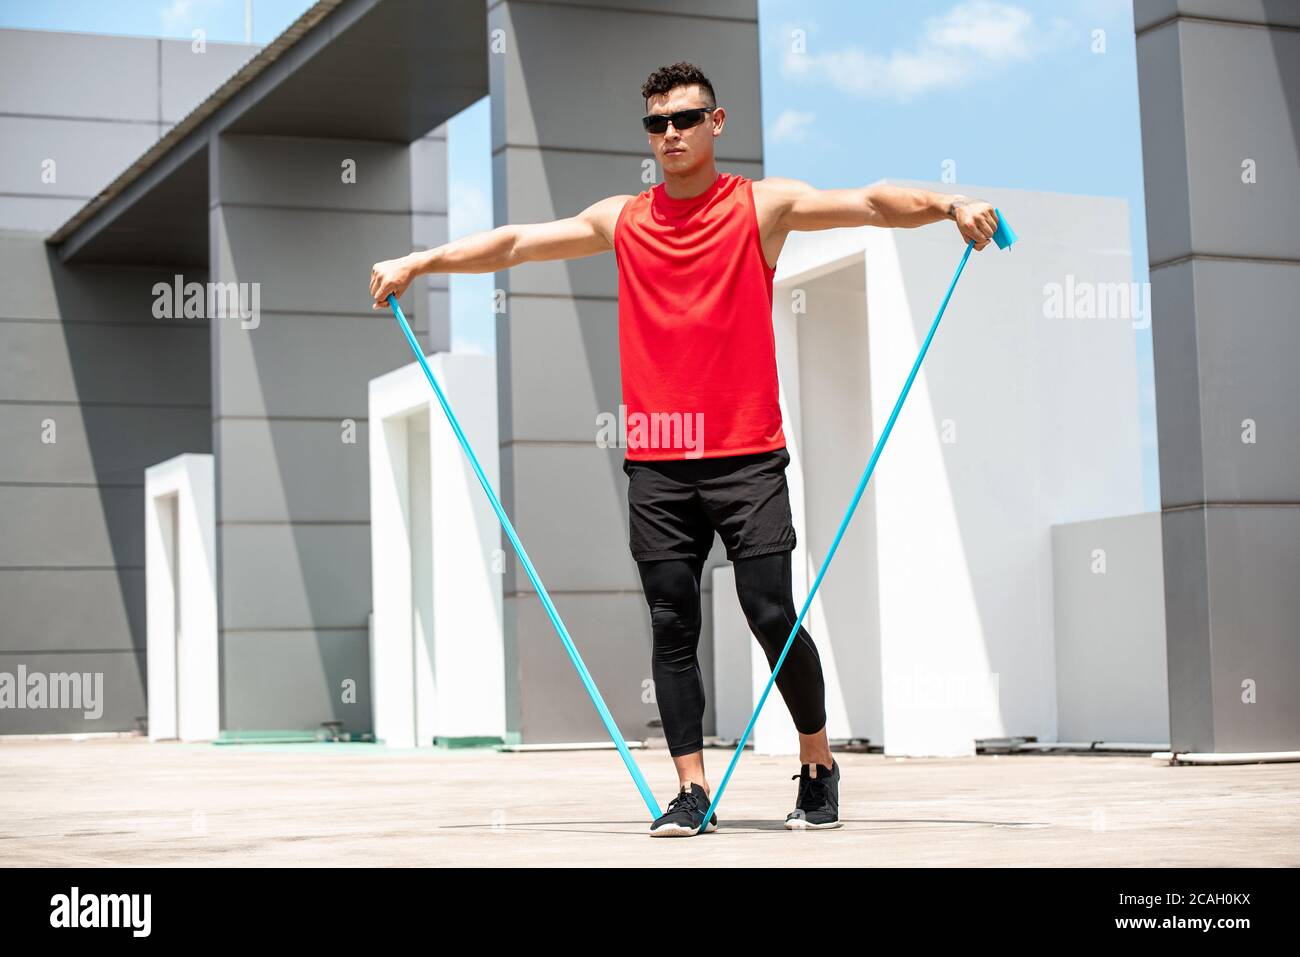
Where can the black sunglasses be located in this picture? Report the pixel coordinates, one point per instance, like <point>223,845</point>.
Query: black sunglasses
<point>683,119</point>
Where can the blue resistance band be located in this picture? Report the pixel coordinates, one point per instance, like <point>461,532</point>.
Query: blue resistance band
<point>1004,237</point>
<point>606,718</point>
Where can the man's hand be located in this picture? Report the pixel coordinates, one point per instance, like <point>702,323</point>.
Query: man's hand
<point>976,220</point>
<point>785,205</point>
<point>390,276</point>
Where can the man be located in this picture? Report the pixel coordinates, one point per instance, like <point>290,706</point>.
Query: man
<point>696,255</point>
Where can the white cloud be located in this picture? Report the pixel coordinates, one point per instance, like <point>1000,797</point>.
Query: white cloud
<point>182,17</point>
<point>175,13</point>
<point>790,126</point>
<point>956,47</point>
<point>986,29</point>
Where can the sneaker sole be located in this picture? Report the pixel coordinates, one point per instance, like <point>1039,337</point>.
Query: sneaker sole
<point>676,830</point>
<point>801,825</point>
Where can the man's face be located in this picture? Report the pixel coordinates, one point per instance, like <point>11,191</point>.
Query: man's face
<point>683,151</point>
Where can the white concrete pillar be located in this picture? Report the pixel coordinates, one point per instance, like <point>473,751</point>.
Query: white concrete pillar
<point>181,599</point>
<point>933,616</point>
<point>438,668</point>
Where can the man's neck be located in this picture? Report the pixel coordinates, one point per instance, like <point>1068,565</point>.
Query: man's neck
<point>679,186</point>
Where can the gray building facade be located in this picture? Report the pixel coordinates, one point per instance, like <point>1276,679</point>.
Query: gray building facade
<point>232,173</point>
<point>92,388</point>
<point>1219,82</point>
<point>95,386</point>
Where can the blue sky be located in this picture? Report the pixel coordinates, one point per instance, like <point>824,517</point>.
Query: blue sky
<point>221,20</point>
<point>1012,91</point>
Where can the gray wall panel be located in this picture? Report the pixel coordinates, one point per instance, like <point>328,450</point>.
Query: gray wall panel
<point>1177,385</point>
<point>1195,143</point>
<point>35,285</point>
<point>36,213</point>
<point>1244,106</point>
<point>105,362</point>
<point>1254,609</point>
<point>46,526</point>
<point>279,171</point>
<point>435,307</point>
<point>111,444</point>
<point>567,371</point>
<point>294,680</point>
<point>121,691</point>
<point>294,576</point>
<point>1187,629</point>
<point>272,470</point>
<point>429,173</point>
<point>574,506</point>
<point>1248,338</point>
<point>48,609</point>
<point>114,77</point>
<point>307,260</point>
<point>1164,146</point>
<point>26,143</point>
<point>307,365</point>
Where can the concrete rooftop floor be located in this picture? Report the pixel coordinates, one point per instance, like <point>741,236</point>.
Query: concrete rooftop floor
<point>126,802</point>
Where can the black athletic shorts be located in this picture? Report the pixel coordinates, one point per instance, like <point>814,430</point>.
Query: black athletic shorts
<point>674,507</point>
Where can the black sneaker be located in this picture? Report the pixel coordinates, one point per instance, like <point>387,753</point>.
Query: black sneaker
<point>818,805</point>
<point>684,815</point>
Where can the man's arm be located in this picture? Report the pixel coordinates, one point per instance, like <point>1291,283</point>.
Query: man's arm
<point>588,233</point>
<point>800,207</point>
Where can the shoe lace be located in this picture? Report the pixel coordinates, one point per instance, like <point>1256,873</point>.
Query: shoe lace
<point>812,792</point>
<point>686,798</point>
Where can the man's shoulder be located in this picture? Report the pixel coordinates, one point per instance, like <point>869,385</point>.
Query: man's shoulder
<point>780,186</point>
<point>774,195</point>
<point>615,205</point>
<point>608,212</point>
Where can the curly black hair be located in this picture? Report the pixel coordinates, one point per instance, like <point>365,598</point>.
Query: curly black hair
<point>678,74</point>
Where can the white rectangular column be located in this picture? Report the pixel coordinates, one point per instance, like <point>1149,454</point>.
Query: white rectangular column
<point>181,599</point>
<point>437,652</point>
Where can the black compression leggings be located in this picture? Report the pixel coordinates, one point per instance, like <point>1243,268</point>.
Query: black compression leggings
<point>672,590</point>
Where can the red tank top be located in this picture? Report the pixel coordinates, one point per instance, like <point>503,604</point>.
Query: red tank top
<point>696,347</point>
